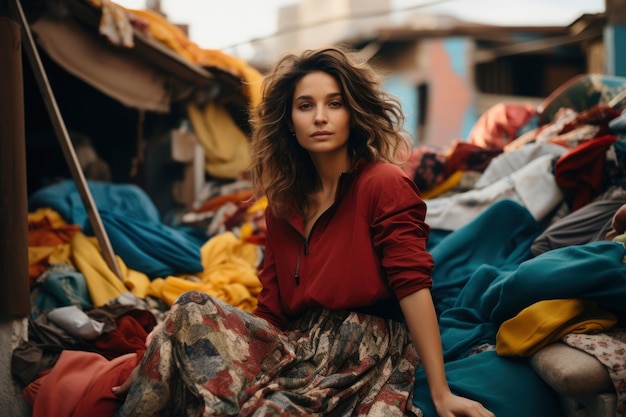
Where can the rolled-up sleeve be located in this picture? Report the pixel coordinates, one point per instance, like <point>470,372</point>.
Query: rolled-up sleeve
<point>399,232</point>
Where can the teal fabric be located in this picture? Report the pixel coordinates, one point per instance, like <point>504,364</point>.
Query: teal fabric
<point>485,274</point>
<point>62,286</point>
<point>593,271</point>
<point>500,236</point>
<point>133,226</point>
<point>118,199</point>
<point>508,387</point>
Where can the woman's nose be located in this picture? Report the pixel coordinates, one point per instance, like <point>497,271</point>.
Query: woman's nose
<point>320,116</point>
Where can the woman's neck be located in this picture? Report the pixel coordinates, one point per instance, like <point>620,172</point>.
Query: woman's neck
<point>330,166</point>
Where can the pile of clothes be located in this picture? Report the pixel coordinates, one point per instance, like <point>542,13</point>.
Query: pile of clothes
<point>518,214</point>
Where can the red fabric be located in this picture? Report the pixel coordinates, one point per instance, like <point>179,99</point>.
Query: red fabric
<point>599,115</point>
<point>80,385</point>
<point>425,165</point>
<point>580,172</point>
<point>468,157</point>
<point>499,125</point>
<point>43,233</point>
<point>377,225</point>
<point>129,335</point>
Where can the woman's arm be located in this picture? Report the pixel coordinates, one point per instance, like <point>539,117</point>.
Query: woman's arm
<point>421,319</point>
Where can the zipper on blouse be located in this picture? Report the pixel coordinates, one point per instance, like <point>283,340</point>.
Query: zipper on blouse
<point>306,252</point>
<point>296,276</point>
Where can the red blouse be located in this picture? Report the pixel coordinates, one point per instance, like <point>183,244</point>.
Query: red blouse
<point>367,248</point>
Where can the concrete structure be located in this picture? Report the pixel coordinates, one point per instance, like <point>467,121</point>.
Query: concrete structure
<point>445,71</point>
<point>317,23</point>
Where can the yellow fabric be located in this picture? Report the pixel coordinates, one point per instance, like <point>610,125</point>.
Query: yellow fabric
<point>135,281</point>
<point>548,321</point>
<point>450,182</point>
<point>102,283</point>
<point>225,144</point>
<point>229,273</point>
<point>53,255</point>
<point>116,25</point>
<point>56,221</point>
<point>170,35</point>
<point>59,254</point>
<point>174,38</point>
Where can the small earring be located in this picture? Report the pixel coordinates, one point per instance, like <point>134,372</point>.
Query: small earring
<point>293,134</point>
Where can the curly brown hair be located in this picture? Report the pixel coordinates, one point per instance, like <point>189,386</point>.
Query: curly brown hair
<point>280,168</point>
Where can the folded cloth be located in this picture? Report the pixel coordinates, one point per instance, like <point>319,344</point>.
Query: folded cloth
<point>547,321</point>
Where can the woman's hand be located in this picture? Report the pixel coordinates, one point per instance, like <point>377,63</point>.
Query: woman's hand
<point>455,406</point>
<point>121,390</point>
<point>618,223</point>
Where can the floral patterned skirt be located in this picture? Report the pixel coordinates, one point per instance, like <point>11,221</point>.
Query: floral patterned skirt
<point>212,359</point>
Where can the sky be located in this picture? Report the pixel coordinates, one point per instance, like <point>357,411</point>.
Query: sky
<point>229,24</point>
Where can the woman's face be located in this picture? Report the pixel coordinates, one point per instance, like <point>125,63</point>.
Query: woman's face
<point>320,118</point>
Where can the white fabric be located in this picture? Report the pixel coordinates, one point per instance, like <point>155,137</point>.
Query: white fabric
<point>532,186</point>
<point>74,321</point>
<point>509,162</point>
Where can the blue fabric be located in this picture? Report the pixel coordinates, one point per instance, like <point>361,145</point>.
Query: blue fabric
<point>118,199</point>
<point>152,248</point>
<point>133,226</point>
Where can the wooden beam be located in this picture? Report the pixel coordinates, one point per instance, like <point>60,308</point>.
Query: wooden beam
<point>538,45</point>
<point>64,138</point>
<point>615,12</point>
<point>14,282</point>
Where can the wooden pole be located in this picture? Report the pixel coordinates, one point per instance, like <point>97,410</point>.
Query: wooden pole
<point>14,282</point>
<point>64,138</point>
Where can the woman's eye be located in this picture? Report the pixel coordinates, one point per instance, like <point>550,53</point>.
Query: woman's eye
<point>335,104</point>
<point>304,106</point>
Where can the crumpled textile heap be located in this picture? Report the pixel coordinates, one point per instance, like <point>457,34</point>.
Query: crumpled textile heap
<point>117,25</point>
<point>230,273</point>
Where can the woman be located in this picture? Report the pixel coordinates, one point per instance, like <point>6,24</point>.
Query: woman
<point>346,275</point>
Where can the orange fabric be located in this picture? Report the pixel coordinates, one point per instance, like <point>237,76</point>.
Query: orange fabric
<point>49,237</point>
<point>216,202</point>
<point>79,385</point>
<point>174,38</point>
